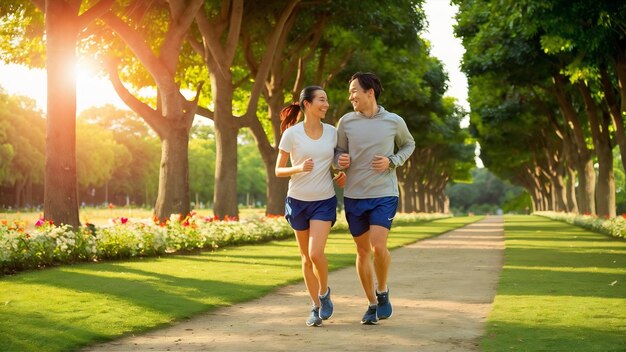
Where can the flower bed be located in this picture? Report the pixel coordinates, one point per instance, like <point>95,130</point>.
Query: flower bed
<point>47,244</point>
<point>615,227</point>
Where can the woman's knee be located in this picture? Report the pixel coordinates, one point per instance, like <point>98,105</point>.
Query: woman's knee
<point>317,257</point>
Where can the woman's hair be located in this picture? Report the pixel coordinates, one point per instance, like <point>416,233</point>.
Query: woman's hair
<point>368,80</point>
<point>290,114</point>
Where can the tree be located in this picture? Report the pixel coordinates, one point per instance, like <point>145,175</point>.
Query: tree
<point>21,147</point>
<point>64,19</point>
<point>173,114</point>
<point>137,180</point>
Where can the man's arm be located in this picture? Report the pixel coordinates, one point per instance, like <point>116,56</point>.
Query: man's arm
<point>405,142</point>
<point>342,145</point>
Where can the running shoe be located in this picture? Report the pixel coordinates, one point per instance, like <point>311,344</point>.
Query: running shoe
<point>370,317</point>
<point>326,309</point>
<point>383,308</point>
<point>314,319</point>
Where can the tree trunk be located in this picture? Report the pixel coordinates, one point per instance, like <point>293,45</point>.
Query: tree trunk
<point>226,131</point>
<point>599,124</point>
<point>60,183</point>
<point>616,114</point>
<point>276,187</point>
<point>173,196</point>
<point>572,204</point>
<point>583,160</point>
<point>620,70</point>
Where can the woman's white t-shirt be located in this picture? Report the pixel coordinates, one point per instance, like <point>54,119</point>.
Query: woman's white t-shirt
<point>316,184</point>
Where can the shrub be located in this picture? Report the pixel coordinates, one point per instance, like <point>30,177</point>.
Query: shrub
<point>47,244</point>
<point>615,227</point>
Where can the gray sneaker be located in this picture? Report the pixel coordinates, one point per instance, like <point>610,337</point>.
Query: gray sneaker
<point>314,319</point>
<point>384,309</point>
<point>326,309</point>
<point>370,317</point>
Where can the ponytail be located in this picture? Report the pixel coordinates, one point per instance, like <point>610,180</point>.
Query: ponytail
<point>289,116</point>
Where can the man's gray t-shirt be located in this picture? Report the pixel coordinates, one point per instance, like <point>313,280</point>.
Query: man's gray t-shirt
<point>363,138</point>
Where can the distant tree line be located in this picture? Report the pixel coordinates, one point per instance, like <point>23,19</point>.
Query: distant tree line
<point>117,161</point>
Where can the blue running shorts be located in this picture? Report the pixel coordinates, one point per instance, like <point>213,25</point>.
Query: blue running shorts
<point>361,213</point>
<point>299,212</point>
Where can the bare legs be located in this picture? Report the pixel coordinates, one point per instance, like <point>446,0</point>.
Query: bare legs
<point>312,243</point>
<point>373,242</point>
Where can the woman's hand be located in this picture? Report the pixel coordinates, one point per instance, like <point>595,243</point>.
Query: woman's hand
<point>340,179</point>
<point>307,165</point>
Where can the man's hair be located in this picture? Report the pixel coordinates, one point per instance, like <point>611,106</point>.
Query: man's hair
<point>368,80</point>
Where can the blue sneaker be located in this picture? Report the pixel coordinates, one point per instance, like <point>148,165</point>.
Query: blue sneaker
<point>326,309</point>
<point>383,308</point>
<point>370,317</point>
<point>314,319</point>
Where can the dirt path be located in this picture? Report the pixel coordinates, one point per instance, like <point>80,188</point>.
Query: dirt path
<point>441,289</point>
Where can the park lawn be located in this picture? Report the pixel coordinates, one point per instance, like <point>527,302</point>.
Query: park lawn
<point>67,307</point>
<point>562,288</point>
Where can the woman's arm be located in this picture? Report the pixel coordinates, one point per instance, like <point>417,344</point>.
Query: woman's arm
<point>281,170</point>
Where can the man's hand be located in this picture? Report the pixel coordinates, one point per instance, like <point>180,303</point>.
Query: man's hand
<point>340,179</point>
<point>344,161</point>
<point>380,163</point>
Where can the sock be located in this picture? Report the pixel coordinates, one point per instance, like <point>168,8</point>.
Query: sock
<point>327,292</point>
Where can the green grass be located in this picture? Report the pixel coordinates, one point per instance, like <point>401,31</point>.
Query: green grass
<point>64,308</point>
<point>562,288</point>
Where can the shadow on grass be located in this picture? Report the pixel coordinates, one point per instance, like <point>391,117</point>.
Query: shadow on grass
<point>35,331</point>
<point>546,282</point>
<point>506,336</point>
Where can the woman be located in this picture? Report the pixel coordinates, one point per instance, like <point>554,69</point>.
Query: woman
<point>311,205</point>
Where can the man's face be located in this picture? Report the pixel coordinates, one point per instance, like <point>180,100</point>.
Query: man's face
<point>358,97</point>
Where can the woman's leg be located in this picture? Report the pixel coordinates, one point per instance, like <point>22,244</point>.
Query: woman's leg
<point>318,235</point>
<point>310,279</point>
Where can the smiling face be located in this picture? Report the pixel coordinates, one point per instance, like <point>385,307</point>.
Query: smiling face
<point>318,106</point>
<point>360,98</point>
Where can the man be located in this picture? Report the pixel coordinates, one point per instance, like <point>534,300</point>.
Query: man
<point>365,148</point>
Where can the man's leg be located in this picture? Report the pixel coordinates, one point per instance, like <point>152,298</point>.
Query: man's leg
<point>382,258</point>
<point>364,265</point>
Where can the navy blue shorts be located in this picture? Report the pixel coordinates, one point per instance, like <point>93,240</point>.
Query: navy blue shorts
<point>299,212</point>
<point>361,213</point>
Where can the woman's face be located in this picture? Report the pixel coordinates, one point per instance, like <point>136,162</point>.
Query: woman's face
<point>319,105</point>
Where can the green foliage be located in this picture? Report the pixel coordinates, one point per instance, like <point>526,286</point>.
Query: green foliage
<point>136,152</point>
<point>21,140</point>
<point>485,194</point>
<point>251,178</point>
<point>21,37</point>
<point>201,170</point>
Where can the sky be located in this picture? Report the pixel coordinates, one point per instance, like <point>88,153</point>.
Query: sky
<point>445,47</point>
<point>90,89</point>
